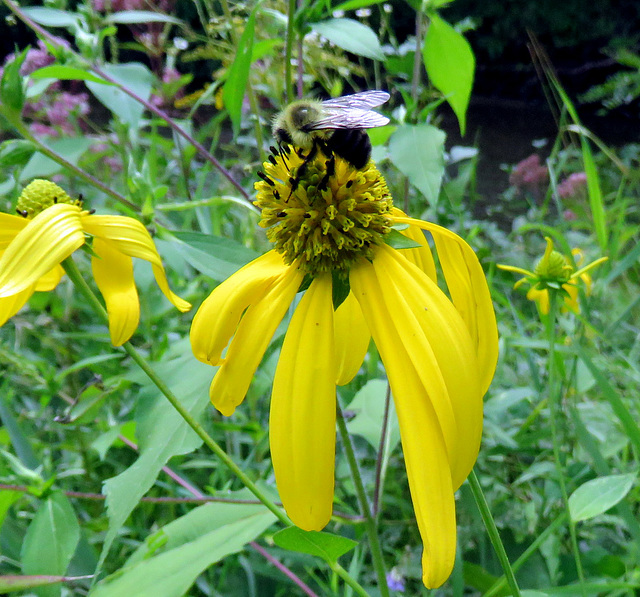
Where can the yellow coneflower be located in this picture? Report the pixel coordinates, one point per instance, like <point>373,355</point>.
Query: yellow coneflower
<point>331,230</point>
<point>49,228</point>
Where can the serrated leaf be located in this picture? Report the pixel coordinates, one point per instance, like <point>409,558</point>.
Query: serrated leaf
<point>236,83</point>
<point>50,541</point>
<point>66,73</point>
<point>418,152</point>
<point>450,64</point>
<point>352,36</point>
<point>213,255</point>
<point>327,546</point>
<point>51,17</point>
<point>131,17</point>
<point>598,495</point>
<point>170,561</point>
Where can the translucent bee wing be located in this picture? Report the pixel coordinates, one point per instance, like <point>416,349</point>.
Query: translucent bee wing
<point>361,101</point>
<point>349,118</point>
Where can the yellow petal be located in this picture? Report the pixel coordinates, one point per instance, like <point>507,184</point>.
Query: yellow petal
<point>541,297</point>
<point>131,238</point>
<point>113,272</point>
<point>302,420</point>
<point>469,291</point>
<point>44,242</point>
<point>352,338</point>
<point>251,339</point>
<point>443,354</point>
<point>218,316</point>
<point>10,305</point>
<point>9,227</point>
<point>421,257</point>
<point>424,446</point>
<point>50,280</point>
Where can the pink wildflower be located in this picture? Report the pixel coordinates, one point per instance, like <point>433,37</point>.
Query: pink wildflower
<point>573,185</point>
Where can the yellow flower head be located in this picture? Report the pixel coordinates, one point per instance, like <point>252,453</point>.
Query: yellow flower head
<point>330,223</point>
<point>49,228</point>
<point>555,273</point>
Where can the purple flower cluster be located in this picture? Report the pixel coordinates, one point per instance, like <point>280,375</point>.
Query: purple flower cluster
<point>529,175</point>
<point>573,185</point>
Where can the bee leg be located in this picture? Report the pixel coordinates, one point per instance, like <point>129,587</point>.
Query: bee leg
<point>331,170</point>
<point>295,181</point>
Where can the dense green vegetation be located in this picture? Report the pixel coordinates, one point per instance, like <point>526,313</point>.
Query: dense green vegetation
<point>115,467</point>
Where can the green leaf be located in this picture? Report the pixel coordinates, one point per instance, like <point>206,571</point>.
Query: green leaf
<point>12,85</point>
<point>397,240</point>
<point>418,152</point>
<point>15,151</point>
<point>170,561</point>
<point>238,77</point>
<point>52,17</point>
<point>368,406</point>
<point>351,36</point>
<point>161,433</point>
<point>130,17</point>
<point>355,4</point>
<point>19,439</point>
<point>51,540</point>
<point>213,255</point>
<point>66,73</point>
<point>71,149</point>
<point>324,545</point>
<point>132,75</point>
<point>598,495</point>
<point>450,64</point>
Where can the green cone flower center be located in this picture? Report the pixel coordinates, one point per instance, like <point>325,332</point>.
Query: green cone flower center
<point>40,194</point>
<point>323,212</point>
<point>553,266</point>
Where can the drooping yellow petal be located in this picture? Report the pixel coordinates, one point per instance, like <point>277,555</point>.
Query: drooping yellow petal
<point>44,242</point>
<point>10,305</point>
<point>131,238</point>
<point>453,350</point>
<point>218,316</point>
<point>541,297</point>
<point>302,419</point>
<point>469,291</point>
<point>255,330</point>
<point>424,446</point>
<point>113,272</point>
<point>352,338</point>
<point>10,226</point>
<point>421,257</point>
<point>50,280</point>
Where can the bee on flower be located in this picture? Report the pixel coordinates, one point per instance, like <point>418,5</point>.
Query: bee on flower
<point>332,225</point>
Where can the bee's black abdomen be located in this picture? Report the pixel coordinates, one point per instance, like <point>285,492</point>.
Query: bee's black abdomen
<point>351,144</point>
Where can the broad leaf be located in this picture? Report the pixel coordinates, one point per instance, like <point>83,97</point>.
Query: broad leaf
<point>418,152</point>
<point>351,36</point>
<point>50,541</point>
<point>66,73</point>
<point>450,64</point>
<point>51,17</point>
<point>598,495</point>
<point>70,148</point>
<point>324,545</point>
<point>131,17</point>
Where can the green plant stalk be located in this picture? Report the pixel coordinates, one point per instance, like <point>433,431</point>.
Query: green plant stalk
<point>289,87</point>
<point>554,411</point>
<point>80,283</point>
<point>492,531</point>
<point>369,520</point>
<point>539,540</point>
<point>92,180</point>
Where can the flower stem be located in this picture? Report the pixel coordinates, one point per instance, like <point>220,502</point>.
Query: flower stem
<point>369,520</point>
<point>492,531</point>
<point>555,414</point>
<point>76,277</point>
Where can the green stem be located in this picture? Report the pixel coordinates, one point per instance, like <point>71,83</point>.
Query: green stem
<point>369,520</point>
<point>555,414</point>
<point>81,284</point>
<point>288,51</point>
<point>492,531</point>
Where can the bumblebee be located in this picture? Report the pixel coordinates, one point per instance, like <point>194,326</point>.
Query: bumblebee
<point>335,126</point>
